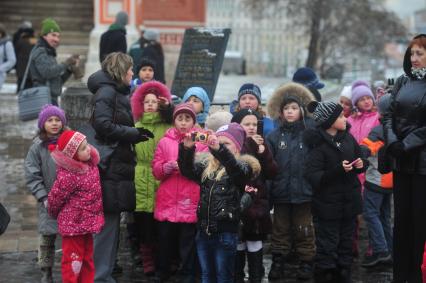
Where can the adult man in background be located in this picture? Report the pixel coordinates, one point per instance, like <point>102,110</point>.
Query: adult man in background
<point>114,39</point>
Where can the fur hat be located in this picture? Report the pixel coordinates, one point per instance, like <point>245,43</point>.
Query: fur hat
<point>154,87</point>
<point>201,94</point>
<point>218,119</point>
<point>307,77</point>
<point>239,116</point>
<point>68,143</point>
<point>360,90</point>
<point>325,113</point>
<point>284,92</point>
<point>250,89</point>
<point>48,111</point>
<point>346,92</point>
<point>234,132</point>
<point>49,25</point>
<point>184,108</point>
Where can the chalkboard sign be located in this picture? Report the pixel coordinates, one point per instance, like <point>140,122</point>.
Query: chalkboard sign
<point>200,60</point>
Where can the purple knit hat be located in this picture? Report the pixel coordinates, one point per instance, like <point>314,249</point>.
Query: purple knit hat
<point>48,111</point>
<point>360,91</point>
<point>184,108</point>
<point>234,132</point>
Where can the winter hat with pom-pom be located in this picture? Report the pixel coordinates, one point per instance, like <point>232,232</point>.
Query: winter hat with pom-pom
<point>325,113</point>
<point>346,92</point>
<point>218,119</point>
<point>359,91</point>
<point>152,87</point>
<point>48,111</point>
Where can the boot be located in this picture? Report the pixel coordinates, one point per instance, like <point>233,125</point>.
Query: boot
<point>277,267</point>
<point>148,262</point>
<point>344,274</point>
<point>240,263</point>
<point>46,275</point>
<point>325,276</point>
<point>255,266</point>
<point>305,271</point>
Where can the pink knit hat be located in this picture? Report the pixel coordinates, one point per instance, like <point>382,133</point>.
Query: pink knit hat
<point>184,108</point>
<point>234,132</point>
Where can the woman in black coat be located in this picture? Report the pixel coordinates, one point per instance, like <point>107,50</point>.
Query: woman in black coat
<point>405,135</point>
<point>113,123</point>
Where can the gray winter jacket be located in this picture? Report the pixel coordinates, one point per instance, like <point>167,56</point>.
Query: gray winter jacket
<point>40,174</point>
<point>44,68</point>
<point>7,58</point>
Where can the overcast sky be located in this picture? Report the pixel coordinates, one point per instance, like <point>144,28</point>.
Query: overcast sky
<point>405,8</point>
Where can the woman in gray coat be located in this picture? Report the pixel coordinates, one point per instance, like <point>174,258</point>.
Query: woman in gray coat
<point>7,55</point>
<point>40,174</point>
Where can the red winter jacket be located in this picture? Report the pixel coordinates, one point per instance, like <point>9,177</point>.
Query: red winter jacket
<point>76,197</point>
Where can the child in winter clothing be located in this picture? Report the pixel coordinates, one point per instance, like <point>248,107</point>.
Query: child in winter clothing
<point>40,174</point>
<point>377,197</point>
<point>199,99</point>
<point>332,166</point>
<point>250,96</point>
<point>222,176</point>
<point>176,199</point>
<point>345,100</point>
<point>150,103</point>
<point>75,200</point>
<point>256,219</point>
<point>290,192</point>
<point>145,72</point>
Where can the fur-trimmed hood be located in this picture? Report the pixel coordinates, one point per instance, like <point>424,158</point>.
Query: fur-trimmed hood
<point>285,91</point>
<point>204,157</point>
<point>73,165</point>
<point>138,96</point>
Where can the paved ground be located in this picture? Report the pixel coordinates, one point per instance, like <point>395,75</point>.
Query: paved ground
<point>18,245</point>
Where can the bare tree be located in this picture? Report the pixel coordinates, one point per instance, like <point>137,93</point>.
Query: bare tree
<point>336,28</point>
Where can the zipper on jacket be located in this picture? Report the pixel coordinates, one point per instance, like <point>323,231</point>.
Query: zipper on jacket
<point>208,209</point>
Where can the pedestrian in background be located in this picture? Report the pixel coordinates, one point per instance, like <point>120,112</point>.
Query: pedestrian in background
<point>114,125</point>
<point>290,193</point>
<point>7,54</point>
<point>145,72</point>
<point>332,166</point>
<point>44,69</point>
<point>114,39</point>
<point>23,41</point>
<point>40,174</point>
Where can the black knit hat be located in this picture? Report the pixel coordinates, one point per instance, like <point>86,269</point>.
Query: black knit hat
<point>146,62</point>
<point>239,116</point>
<point>325,113</point>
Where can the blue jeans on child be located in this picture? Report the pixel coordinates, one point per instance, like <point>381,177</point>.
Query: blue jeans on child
<point>216,254</point>
<point>377,215</point>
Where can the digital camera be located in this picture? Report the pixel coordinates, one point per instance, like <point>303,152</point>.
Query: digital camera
<point>199,136</point>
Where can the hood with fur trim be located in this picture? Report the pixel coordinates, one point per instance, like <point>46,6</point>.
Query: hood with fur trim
<point>138,96</point>
<point>73,165</point>
<point>203,158</point>
<point>285,91</point>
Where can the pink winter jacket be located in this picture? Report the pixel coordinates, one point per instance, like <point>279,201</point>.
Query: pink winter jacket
<point>177,197</point>
<point>76,197</point>
<point>362,124</point>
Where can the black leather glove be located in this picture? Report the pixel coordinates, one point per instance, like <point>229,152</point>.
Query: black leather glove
<point>396,149</point>
<point>144,134</point>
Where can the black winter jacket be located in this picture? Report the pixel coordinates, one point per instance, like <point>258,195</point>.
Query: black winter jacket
<point>112,41</point>
<point>406,121</point>
<point>336,193</point>
<point>219,206</point>
<point>288,149</point>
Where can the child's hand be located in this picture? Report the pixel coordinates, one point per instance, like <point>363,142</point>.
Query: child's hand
<point>249,189</point>
<point>347,166</point>
<point>187,141</point>
<point>258,139</point>
<point>213,142</point>
<point>358,163</point>
<point>163,102</point>
<point>169,167</point>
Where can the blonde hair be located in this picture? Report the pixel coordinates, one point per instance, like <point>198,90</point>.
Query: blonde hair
<point>214,170</point>
<point>116,64</point>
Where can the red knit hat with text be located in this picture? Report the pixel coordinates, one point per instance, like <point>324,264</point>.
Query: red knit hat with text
<point>68,143</point>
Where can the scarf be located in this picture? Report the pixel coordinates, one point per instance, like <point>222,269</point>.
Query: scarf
<point>418,73</point>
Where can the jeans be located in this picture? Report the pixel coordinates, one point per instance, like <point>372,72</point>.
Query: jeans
<point>377,215</point>
<point>216,254</point>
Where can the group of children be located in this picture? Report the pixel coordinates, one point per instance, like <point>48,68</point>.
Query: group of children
<point>206,183</point>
